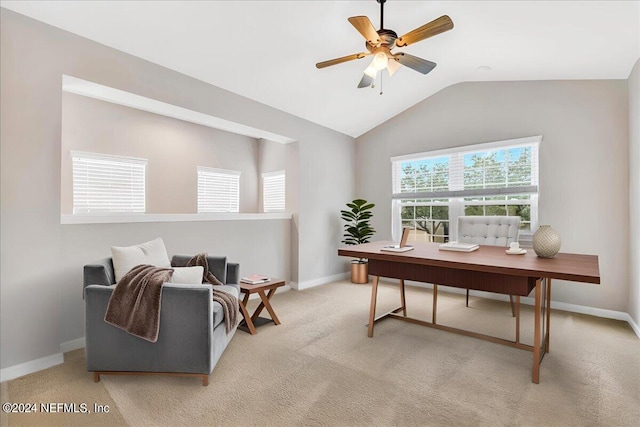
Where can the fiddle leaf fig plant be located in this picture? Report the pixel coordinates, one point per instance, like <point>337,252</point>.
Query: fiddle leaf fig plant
<point>357,229</point>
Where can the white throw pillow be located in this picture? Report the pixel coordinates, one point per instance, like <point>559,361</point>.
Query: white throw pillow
<point>126,257</point>
<point>187,275</point>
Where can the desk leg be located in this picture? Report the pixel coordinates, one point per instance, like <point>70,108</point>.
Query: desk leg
<point>548,333</point>
<point>536,333</point>
<point>372,309</point>
<point>402,298</point>
<point>517,318</point>
<point>435,303</point>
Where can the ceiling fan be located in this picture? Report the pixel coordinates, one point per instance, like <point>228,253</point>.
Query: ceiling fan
<point>380,43</point>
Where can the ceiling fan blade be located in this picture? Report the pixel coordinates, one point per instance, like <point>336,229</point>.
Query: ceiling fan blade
<point>342,59</point>
<point>393,66</point>
<point>433,28</point>
<point>366,80</point>
<point>366,28</point>
<point>420,65</point>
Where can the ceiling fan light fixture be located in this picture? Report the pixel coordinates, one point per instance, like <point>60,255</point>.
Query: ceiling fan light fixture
<point>371,71</point>
<point>380,61</point>
<point>393,66</point>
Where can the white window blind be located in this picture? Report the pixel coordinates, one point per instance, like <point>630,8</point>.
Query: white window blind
<point>218,190</point>
<point>107,184</point>
<point>431,189</point>
<point>273,191</point>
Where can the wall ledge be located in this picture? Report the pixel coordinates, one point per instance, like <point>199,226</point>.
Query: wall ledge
<point>128,218</point>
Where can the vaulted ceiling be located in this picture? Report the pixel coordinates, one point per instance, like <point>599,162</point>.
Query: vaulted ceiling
<point>267,51</point>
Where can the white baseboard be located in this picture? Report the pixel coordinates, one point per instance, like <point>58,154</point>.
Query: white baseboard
<point>72,345</point>
<point>26,368</point>
<point>634,325</point>
<point>321,281</point>
<point>32,366</point>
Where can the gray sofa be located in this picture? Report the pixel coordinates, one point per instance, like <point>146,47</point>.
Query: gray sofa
<point>192,333</point>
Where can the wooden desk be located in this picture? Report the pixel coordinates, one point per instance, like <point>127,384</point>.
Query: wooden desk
<point>487,269</point>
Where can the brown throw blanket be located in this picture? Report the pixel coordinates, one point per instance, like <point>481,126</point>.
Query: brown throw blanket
<point>228,302</point>
<point>134,305</point>
<point>207,277</point>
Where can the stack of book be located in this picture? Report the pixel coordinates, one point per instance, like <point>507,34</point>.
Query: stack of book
<point>255,279</point>
<point>460,247</point>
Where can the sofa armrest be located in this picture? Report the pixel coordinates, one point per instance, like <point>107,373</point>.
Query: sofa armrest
<point>184,341</point>
<point>233,273</point>
<point>99,273</point>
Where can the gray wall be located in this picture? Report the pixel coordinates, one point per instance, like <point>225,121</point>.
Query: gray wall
<point>326,184</point>
<point>584,189</point>
<point>634,193</point>
<point>174,149</point>
<point>41,260</point>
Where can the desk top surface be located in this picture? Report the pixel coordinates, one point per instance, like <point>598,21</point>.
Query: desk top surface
<point>573,267</point>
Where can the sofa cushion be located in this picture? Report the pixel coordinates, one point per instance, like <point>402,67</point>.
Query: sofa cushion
<point>228,289</point>
<point>217,265</point>
<point>187,275</point>
<point>218,311</point>
<point>126,257</point>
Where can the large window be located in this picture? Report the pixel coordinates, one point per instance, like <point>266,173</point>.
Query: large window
<point>273,191</point>
<point>218,190</point>
<point>430,190</point>
<point>107,184</point>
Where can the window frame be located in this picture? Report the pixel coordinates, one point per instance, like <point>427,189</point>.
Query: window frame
<point>233,199</point>
<point>267,204</point>
<point>456,194</point>
<point>137,203</point>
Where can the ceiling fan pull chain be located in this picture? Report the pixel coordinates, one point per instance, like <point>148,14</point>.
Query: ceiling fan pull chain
<point>380,83</point>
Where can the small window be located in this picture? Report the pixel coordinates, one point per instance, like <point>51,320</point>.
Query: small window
<point>107,184</point>
<point>218,190</point>
<point>273,191</point>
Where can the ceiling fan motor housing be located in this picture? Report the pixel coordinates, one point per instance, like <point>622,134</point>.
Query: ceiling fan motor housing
<point>387,39</point>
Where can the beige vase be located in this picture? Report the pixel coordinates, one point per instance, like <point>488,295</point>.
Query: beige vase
<point>546,242</point>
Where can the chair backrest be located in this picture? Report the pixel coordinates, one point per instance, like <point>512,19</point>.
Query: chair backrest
<point>488,230</point>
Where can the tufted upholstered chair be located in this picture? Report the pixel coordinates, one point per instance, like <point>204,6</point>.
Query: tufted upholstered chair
<point>489,230</point>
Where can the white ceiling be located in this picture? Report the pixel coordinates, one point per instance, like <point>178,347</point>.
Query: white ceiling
<point>267,51</point>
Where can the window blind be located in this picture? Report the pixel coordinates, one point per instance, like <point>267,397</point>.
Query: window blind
<point>273,191</point>
<point>432,189</point>
<point>493,169</point>
<point>107,184</point>
<point>218,190</point>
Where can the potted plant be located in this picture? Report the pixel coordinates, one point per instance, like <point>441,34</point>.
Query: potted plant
<point>358,230</point>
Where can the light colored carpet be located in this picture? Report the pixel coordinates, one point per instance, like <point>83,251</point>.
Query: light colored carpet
<point>320,368</point>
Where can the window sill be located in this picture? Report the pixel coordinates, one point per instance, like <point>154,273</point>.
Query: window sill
<point>128,218</point>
